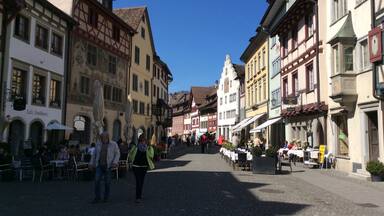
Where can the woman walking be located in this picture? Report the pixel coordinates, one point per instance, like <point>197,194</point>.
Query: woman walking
<point>142,160</point>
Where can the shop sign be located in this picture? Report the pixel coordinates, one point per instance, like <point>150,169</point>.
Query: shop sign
<point>375,45</point>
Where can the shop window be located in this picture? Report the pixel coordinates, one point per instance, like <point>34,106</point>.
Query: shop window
<point>342,135</point>
<point>19,83</point>
<point>55,93</point>
<point>38,90</point>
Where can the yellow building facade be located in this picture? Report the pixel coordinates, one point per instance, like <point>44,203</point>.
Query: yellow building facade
<point>256,61</point>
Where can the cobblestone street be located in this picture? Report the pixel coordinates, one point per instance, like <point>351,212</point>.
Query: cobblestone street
<point>196,184</point>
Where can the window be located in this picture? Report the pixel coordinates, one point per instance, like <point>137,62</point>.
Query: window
<point>154,90</point>
<point>260,89</point>
<point>84,85</point>
<point>336,59</point>
<point>232,98</point>
<point>137,55</point>
<point>276,66</point>
<point>92,17</point>
<point>285,47</point>
<point>148,110</point>
<point>38,89</point>
<point>259,62</point>
<point>364,55</point>
<point>142,32</point>
<point>91,55</point>
<point>249,74</point>
<point>158,92</point>
<point>142,108</point>
<point>22,27</point>
<point>107,92</point>
<point>55,93</point>
<point>310,77</point>
<point>112,64</point>
<point>263,58</point>
<point>135,105</point>
<point>146,87</point>
<point>254,94</point>
<point>225,100</point>
<point>19,83</point>
<point>221,101</point>
<point>273,41</point>
<point>41,38</point>
<point>339,9</point>
<point>276,99</point>
<point>57,44</point>
<point>264,88</point>
<point>117,95</point>
<point>309,25</point>
<point>148,63</point>
<point>295,84</point>
<point>116,33</point>
<point>220,116</point>
<point>285,87</point>
<point>348,58</point>
<point>135,83</point>
<point>342,135</point>
<point>294,37</point>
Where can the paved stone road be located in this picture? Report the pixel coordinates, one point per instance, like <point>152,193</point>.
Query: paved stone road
<point>191,184</point>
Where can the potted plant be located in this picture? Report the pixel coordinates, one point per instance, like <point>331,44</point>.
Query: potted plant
<point>263,164</point>
<point>376,169</point>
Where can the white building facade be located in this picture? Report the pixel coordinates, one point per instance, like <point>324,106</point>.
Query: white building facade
<point>228,100</point>
<point>35,67</point>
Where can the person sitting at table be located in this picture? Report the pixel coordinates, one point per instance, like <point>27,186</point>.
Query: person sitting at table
<point>291,145</point>
<point>63,154</point>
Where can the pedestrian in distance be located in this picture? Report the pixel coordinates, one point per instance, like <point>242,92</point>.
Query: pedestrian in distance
<point>105,157</point>
<point>141,157</point>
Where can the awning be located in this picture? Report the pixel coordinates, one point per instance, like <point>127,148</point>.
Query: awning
<point>240,123</point>
<point>250,121</point>
<point>265,124</point>
<point>58,126</point>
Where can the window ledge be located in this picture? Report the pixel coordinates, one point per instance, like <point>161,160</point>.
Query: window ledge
<point>361,3</point>
<point>343,157</point>
<point>340,18</point>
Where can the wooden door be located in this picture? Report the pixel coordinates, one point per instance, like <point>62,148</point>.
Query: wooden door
<point>373,136</point>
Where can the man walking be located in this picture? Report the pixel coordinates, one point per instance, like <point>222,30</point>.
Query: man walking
<point>105,157</point>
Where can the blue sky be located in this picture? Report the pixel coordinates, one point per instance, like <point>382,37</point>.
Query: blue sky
<point>193,36</point>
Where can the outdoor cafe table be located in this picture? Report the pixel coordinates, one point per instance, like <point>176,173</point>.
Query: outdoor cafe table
<point>58,166</point>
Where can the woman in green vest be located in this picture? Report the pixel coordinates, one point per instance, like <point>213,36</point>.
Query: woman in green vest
<point>141,157</point>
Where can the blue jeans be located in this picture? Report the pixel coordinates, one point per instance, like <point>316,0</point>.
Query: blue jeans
<point>100,174</point>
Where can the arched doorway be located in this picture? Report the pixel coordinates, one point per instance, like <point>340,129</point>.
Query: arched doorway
<point>36,135</point>
<point>116,130</point>
<point>16,137</point>
<point>82,132</point>
<point>320,134</point>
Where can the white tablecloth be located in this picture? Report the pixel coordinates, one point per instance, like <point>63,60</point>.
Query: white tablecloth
<point>298,153</point>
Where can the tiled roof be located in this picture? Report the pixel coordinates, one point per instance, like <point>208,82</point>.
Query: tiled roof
<point>201,93</point>
<point>240,70</point>
<point>132,16</point>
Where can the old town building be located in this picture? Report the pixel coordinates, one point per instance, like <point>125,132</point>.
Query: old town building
<point>179,101</point>
<point>161,111</point>
<point>200,97</point>
<point>303,78</point>
<point>255,58</point>
<point>275,124</point>
<point>35,59</point>
<point>355,115</point>
<point>228,94</point>
<point>100,50</point>
<point>141,69</point>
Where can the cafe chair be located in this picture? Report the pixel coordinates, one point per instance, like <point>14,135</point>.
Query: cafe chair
<point>39,167</point>
<point>76,168</point>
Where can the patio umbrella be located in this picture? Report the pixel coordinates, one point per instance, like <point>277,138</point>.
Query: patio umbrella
<point>98,107</point>
<point>4,123</point>
<point>58,126</point>
<point>128,120</point>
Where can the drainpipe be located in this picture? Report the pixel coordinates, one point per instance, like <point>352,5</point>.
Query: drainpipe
<point>374,66</point>
<point>2,70</point>
<point>67,73</point>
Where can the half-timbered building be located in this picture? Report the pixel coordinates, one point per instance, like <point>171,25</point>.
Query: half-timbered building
<point>101,50</point>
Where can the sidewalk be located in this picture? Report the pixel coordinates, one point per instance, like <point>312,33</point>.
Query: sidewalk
<point>360,192</point>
